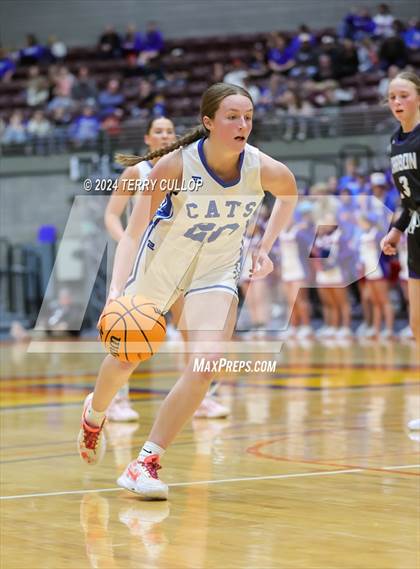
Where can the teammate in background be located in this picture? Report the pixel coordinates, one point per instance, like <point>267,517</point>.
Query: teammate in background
<point>200,237</point>
<point>159,133</point>
<point>404,102</point>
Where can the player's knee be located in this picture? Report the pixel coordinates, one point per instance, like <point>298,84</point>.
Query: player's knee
<point>205,366</point>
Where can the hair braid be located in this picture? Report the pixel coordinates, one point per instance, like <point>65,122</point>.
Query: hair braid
<point>188,138</point>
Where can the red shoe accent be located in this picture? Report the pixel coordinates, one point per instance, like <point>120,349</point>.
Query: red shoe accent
<point>91,434</point>
<point>151,464</point>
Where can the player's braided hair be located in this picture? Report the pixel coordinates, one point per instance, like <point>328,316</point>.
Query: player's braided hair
<point>210,102</point>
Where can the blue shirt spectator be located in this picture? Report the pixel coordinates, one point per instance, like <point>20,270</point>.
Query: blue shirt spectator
<point>15,131</point>
<point>33,52</point>
<point>86,127</point>
<point>411,36</point>
<point>154,38</point>
<point>279,55</point>
<point>7,67</point>
<point>132,41</point>
<point>110,99</point>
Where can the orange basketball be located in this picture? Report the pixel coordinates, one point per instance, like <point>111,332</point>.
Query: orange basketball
<point>132,328</point>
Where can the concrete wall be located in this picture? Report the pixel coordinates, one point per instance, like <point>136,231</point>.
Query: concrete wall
<point>81,21</point>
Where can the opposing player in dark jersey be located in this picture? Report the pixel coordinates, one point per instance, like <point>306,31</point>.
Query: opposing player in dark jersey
<point>404,102</point>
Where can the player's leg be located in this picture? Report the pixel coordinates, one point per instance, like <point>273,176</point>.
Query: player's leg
<point>209,408</point>
<point>113,374</point>
<point>210,318</point>
<point>414,307</point>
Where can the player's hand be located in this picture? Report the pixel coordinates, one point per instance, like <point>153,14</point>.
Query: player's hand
<point>113,294</point>
<point>262,265</point>
<point>390,242</point>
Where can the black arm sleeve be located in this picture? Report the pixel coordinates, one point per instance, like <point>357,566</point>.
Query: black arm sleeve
<point>404,220</point>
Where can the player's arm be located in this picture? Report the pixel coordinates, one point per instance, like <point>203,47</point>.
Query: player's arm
<point>117,203</point>
<point>168,168</point>
<point>277,179</point>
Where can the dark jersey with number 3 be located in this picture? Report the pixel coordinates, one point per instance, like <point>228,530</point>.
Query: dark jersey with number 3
<point>405,167</point>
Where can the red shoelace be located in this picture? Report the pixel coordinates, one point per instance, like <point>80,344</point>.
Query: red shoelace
<point>151,463</point>
<point>90,437</point>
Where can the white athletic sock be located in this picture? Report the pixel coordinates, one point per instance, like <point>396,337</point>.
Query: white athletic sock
<point>94,418</point>
<point>150,448</point>
<point>123,392</point>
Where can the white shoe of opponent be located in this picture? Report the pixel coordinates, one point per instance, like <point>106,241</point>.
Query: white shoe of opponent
<point>141,477</point>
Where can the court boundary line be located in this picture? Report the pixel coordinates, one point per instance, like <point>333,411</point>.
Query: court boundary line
<point>207,482</point>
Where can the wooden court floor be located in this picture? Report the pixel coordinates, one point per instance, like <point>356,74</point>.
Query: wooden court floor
<point>314,469</point>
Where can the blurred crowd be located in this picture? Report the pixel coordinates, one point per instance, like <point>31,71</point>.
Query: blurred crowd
<point>63,97</point>
<point>329,268</point>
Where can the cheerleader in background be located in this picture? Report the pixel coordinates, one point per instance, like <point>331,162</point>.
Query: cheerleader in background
<point>377,274</point>
<point>332,245</point>
<point>294,246</point>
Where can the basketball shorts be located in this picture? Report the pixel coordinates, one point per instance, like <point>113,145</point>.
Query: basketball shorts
<point>413,247</point>
<point>164,273</point>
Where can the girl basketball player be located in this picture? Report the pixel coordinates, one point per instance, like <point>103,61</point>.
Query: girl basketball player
<point>192,246</point>
<point>404,102</point>
<point>160,132</point>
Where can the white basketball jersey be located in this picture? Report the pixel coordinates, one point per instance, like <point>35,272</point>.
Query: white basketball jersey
<point>207,212</point>
<point>199,228</point>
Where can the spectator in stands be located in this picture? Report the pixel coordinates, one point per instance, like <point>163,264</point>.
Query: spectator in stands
<point>357,24</point>
<point>279,55</point>
<point>392,72</point>
<point>218,72</point>
<point>111,98</point>
<point>258,65</point>
<point>325,68</point>
<point>145,94</point>
<point>237,74</point>
<point>132,42</point>
<point>347,62</point>
<point>302,35</point>
<point>367,54</point>
<point>84,87</point>
<point>299,115</point>
<point>159,106</point>
<point>7,66</point>
<point>112,123</point>
<point>37,92</point>
<point>64,81</point>
<point>411,35</point>
<point>110,43</point>
<point>33,52</point>
<point>271,92</point>
<point>59,102</point>
<point>389,196</point>
<point>153,44</point>
<point>39,130</point>
<point>57,49</point>
<point>305,57</point>
<point>349,179</point>
<point>252,89</point>
<point>61,119</point>
<point>15,131</point>
<point>393,51</point>
<point>383,20</point>
<point>38,126</point>
<point>85,128</point>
